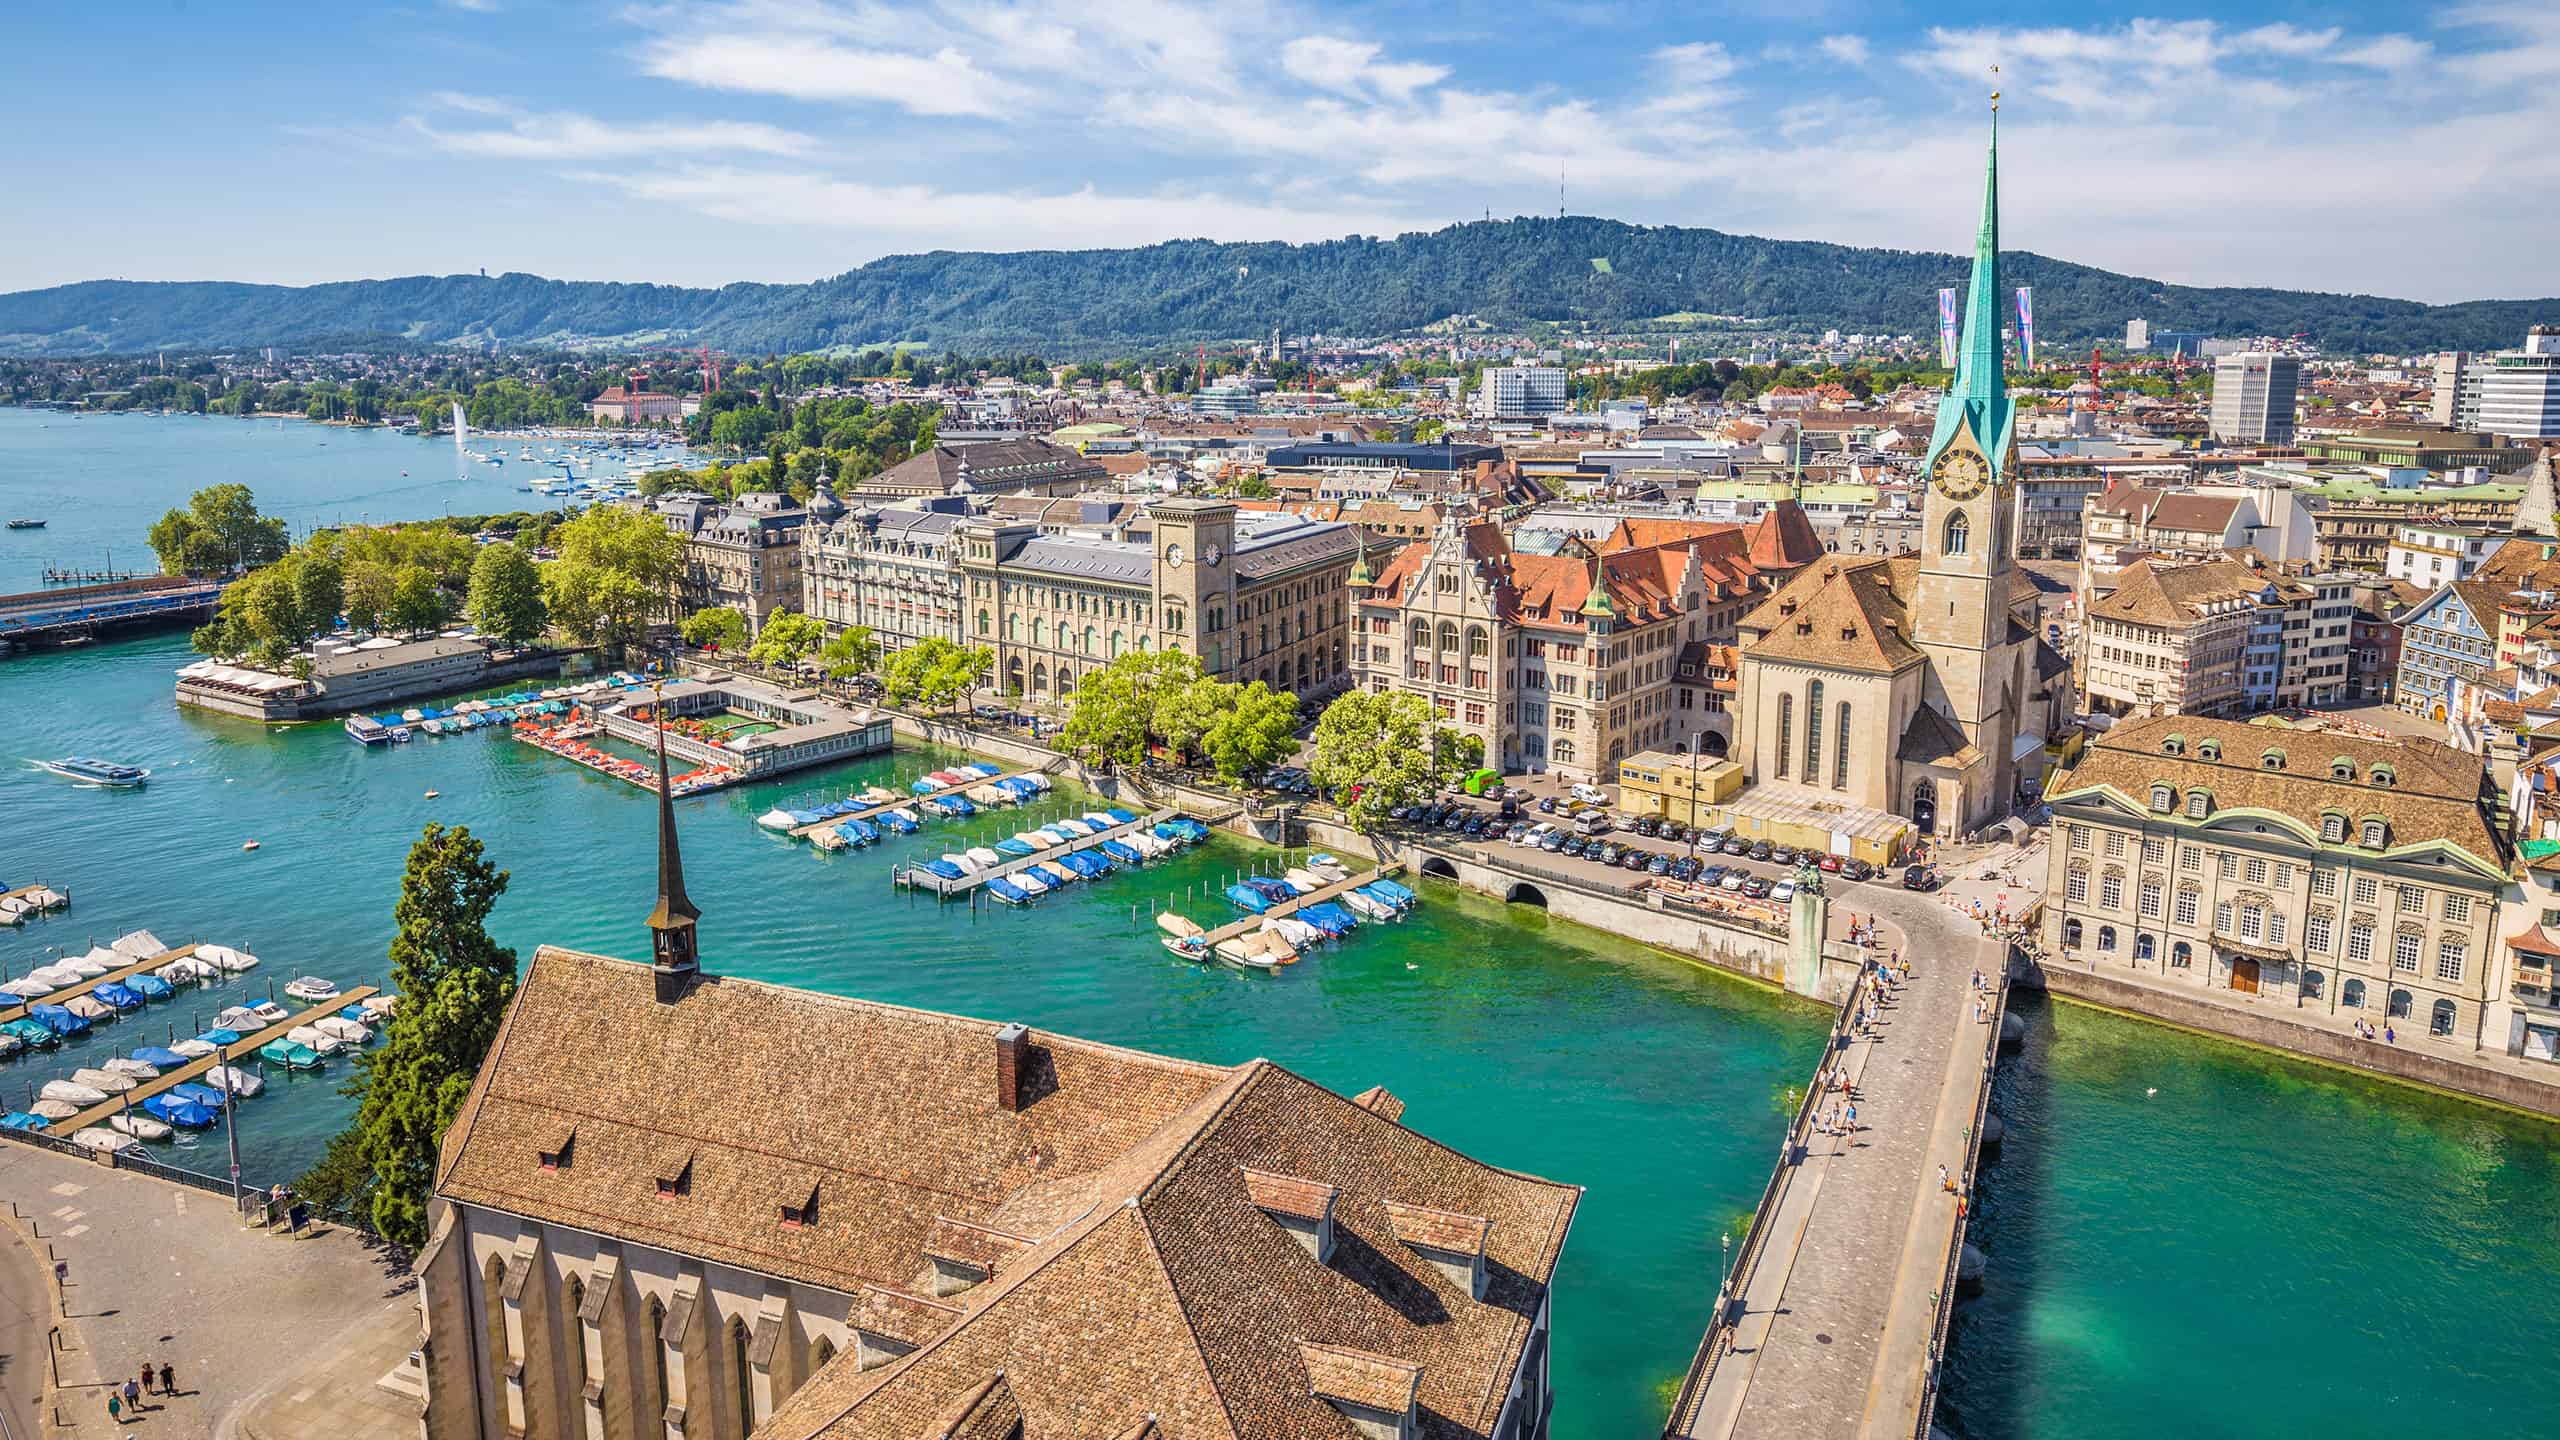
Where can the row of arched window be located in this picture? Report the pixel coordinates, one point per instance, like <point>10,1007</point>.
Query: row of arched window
<point>1812,771</point>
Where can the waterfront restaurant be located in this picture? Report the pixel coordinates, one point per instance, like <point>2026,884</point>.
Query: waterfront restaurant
<point>752,728</point>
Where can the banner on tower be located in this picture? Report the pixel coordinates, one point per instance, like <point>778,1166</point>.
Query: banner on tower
<point>1947,328</point>
<point>2027,324</point>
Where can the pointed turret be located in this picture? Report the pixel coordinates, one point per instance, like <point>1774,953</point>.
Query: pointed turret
<point>1978,395</point>
<point>672,955</point>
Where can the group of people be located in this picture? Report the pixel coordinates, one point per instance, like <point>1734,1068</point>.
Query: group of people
<point>1835,1116</point>
<point>126,1399</point>
<point>2388,1036</point>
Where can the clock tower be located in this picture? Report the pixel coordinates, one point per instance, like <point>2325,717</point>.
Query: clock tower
<point>1960,605</point>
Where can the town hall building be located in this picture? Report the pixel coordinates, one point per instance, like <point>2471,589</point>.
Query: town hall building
<point>1916,685</point>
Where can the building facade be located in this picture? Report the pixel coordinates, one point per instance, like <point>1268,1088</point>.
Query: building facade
<point>990,467</point>
<point>2520,389</point>
<point>2305,870</point>
<point>2253,398</point>
<point>2428,554</point>
<point>1521,392</point>
<point>887,567</point>
<point>744,555</point>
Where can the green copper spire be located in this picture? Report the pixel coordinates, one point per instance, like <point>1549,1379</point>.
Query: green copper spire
<point>1979,396</point>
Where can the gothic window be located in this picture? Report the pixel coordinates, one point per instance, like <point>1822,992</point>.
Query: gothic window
<point>1840,750</point>
<point>742,1373</point>
<point>1813,733</point>
<point>1786,730</point>
<point>1959,534</point>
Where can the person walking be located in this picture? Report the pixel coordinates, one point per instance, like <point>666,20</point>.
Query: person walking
<point>115,1408</point>
<point>133,1397</point>
<point>1943,1182</point>
<point>168,1379</point>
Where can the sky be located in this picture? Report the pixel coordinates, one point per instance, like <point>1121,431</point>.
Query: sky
<point>2374,147</point>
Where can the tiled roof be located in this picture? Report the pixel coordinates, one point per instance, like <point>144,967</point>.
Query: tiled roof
<point>1931,739</point>
<point>2149,593</point>
<point>1783,538</point>
<point>1151,1286</point>
<point>2185,510</point>
<point>1849,613</point>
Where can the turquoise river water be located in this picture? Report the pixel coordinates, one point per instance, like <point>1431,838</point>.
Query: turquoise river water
<point>2185,1237</point>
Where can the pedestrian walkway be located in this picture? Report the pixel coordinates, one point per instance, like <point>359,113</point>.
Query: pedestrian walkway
<point>1837,1315</point>
<point>162,1273</point>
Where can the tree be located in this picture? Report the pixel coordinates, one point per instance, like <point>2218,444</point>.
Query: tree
<point>1256,727</point>
<point>368,592</point>
<point>852,652</point>
<point>1375,752</point>
<point>721,627</point>
<point>616,573</point>
<point>417,602</point>
<point>788,638</point>
<point>220,529</point>
<point>319,590</point>
<point>956,675</point>
<point>506,594</point>
<point>1184,713</point>
<point>1112,714</point>
<point>454,983</point>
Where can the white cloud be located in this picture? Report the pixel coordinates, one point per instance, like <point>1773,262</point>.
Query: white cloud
<point>568,135</point>
<point>1847,49</point>
<point>808,66</point>
<point>1353,67</point>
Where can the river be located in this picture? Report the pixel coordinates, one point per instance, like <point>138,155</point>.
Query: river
<point>2185,1237</point>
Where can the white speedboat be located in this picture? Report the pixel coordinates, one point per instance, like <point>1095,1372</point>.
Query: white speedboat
<point>29,987</point>
<point>1237,951</point>
<point>776,820</point>
<point>138,1069</point>
<point>960,862</point>
<point>312,988</point>
<point>96,962</point>
<point>1297,932</point>
<point>1030,883</point>
<point>342,1027</point>
<point>232,1078</point>
<point>267,1012</point>
<point>139,1126</point>
<point>99,1137</point>
<point>90,1008</point>
<point>226,959</point>
<point>379,1007</point>
<point>1307,881</point>
<point>72,1092</point>
<point>55,1109</point>
<point>138,945</point>
<point>1364,907</point>
<point>58,974</point>
<point>984,858</point>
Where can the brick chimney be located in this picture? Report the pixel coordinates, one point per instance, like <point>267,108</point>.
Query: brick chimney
<point>1013,1058</point>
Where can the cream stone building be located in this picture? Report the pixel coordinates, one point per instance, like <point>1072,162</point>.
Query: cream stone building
<point>1916,685</point>
<point>683,1206</point>
<point>2310,870</point>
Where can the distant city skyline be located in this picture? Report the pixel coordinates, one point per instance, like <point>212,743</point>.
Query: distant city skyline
<point>2356,147</point>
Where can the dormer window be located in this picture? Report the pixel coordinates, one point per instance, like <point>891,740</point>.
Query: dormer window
<point>2385,776</point>
<point>2198,804</point>
<point>2164,798</point>
<point>2174,745</point>
<point>2342,768</point>
<point>675,1177</point>
<point>557,1155</point>
<point>804,1214</point>
<point>2271,760</point>
<point>2376,833</point>
<point>2333,828</point>
<point>2209,750</point>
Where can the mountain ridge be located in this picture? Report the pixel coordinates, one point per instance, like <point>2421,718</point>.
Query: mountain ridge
<point>1072,304</point>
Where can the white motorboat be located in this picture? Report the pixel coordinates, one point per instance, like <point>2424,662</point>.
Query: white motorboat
<point>72,1092</point>
<point>985,858</point>
<point>110,1081</point>
<point>58,974</point>
<point>1034,839</point>
<point>1180,927</point>
<point>140,945</point>
<point>1364,907</point>
<point>90,1008</point>
<point>99,1137</point>
<point>1268,944</point>
<point>29,987</point>
<point>342,1027</point>
<point>139,1126</point>
<point>960,862</point>
<point>232,1078</point>
<point>193,1049</point>
<point>55,1109</point>
<point>1030,883</point>
<point>320,1041</point>
<point>1306,880</point>
<point>226,959</point>
<point>312,988</point>
<point>138,1069</point>
<point>1297,932</point>
<point>776,820</point>
<point>1238,952</point>
<point>379,1007</point>
<point>267,1012</point>
<point>97,962</point>
<point>240,1018</point>
<point>1330,868</point>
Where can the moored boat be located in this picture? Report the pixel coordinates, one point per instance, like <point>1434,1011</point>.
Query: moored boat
<point>243,1083</point>
<point>97,772</point>
<point>99,1137</point>
<point>289,1055</point>
<point>140,1127</point>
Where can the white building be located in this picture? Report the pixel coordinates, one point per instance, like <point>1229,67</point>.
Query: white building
<point>2137,334</point>
<point>2431,554</point>
<point>1521,392</point>
<point>2253,397</point>
<point>2520,389</point>
<point>2456,403</point>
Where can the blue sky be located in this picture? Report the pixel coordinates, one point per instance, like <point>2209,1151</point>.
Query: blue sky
<point>2374,147</point>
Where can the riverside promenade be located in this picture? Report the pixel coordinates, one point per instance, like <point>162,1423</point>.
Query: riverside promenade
<point>1848,1275</point>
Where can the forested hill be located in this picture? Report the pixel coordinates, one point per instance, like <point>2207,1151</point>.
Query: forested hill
<point>1070,304</point>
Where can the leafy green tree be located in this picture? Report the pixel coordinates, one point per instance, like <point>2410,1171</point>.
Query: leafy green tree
<point>956,675</point>
<point>417,602</point>
<point>1185,711</point>
<point>721,627</point>
<point>220,529</point>
<point>319,589</point>
<point>788,638</point>
<point>454,983</point>
<point>368,588</point>
<point>851,652</point>
<point>1112,714</point>
<point>616,573</point>
<point>1257,727</point>
<point>1375,752</point>
<point>506,594</point>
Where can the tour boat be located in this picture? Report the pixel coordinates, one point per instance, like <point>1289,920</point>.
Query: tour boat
<point>26,523</point>
<point>366,730</point>
<point>312,988</point>
<point>97,772</point>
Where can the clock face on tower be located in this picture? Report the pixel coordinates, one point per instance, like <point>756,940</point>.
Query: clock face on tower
<point>1959,474</point>
<point>1173,555</point>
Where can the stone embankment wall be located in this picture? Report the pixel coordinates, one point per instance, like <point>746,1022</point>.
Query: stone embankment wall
<point>2413,1062</point>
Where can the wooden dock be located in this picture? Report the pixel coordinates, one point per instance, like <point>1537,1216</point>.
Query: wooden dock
<point>922,879</point>
<point>26,890</point>
<point>1234,928</point>
<point>246,1049</point>
<point>70,992</point>
<point>803,832</point>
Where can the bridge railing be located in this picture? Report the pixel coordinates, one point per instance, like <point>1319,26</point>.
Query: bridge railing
<point>1964,1212</point>
<point>1737,1278</point>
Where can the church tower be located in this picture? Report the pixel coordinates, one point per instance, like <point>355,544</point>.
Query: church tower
<point>672,958</point>
<point>1960,605</point>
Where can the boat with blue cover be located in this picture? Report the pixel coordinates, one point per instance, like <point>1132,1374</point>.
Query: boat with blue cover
<point>1013,845</point>
<point>1246,898</point>
<point>1122,853</point>
<point>290,1055</point>
<point>164,1059</point>
<point>60,1021</point>
<point>34,1034</point>
<point>21,1120</point>
<point>901,822</point>
<point>860,832</point>
<point>185,1114</point>
<point>942,870</point>
<point>1272,890</point>
<point>219,1036</point>
<point>1006,891</point>
<point>1328,917</point>
<point>123,997</point>
<point>200,1094</point>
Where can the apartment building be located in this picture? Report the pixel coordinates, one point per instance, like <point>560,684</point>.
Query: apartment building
<point>2429,554</point>
<point>2171,639</point>
<point>2253,397</point>
<point>2311,872</point>
<point>987,467</point>
<point>2474,640</point>
<point>888,567</point>
<point>2127,522</point>
<point>1521,392</point>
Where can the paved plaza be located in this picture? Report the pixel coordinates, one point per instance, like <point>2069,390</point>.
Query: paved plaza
<point>161,1273</point>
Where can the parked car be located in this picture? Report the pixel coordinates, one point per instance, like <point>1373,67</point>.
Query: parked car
<point>1783,890</point>
<point>1634,859</point>
<point>1782,855</point>
<point>1917,877</point>
<point>1760,850</point>
<point>1592,822</point>
<point>1673,830</point>
<point>1546,804</point>
<point>1712,875</point>
<point>1573,847</point>
<point>1554,843</point>
<point>1685,869</point>
<point>1590,794</point>
<point>1736,845</point>
<point>1607,854</point>
<point>1710,841</point>
<point>1474,828</point>
<point>1830,864</point>
<point>1857,869</point>
<point>1734,880</point>
<point>1755,888</point>
<point>1648,826</point>
<point>1454,821</point>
